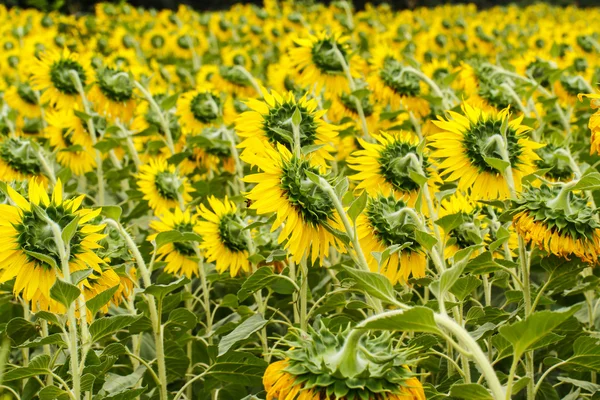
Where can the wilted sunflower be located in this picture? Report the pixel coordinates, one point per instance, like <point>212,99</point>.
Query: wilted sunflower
<point>28,251</point>
<point>198,109</point>
<point>112,94</point>
<point>322,365</point>
<point>19,162</point>
<point>223,241</point>
<point>162,186</point>
<point>21,97</point>
<point>385,167</point>
<point>181,257</point>
<point>382,225</point>
<point>52,75</point>
<point>68,135</point>
<point>559,223</point>
<point>318,64</point>
<point>283,187</point>
<point>468,140</point>
<point>594,123</point>
<point>269,123</point>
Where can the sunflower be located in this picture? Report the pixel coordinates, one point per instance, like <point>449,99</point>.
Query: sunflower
<point>21,97</point>
<point>559,223</point>
<point>317,64</point>
<point>181,257</point>
<point>594,123</point>
<point>52,74</point>
<point>343,108</point>
<point>469,232</point>
<point>68,135</point>
<point>269,124</point>
<point>112,94</point>
<point>379,227</point>
<point>28,251</point>
<point>385,167</point>
<point>99,282</point>
<point>391,83</point>
<point>162,186</point>
<point>199,109</point>
<point>223,241</point>
<point>283,187</point>
<point>317,365</point>
<point>19,162</point>
<point>467,141</point>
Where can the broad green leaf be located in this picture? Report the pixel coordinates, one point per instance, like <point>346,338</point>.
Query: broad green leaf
<point>586,354</point>
<point>496,163</point>
<point>78,276</point>
<point>263,277</point>
<point>449,222</point>
<point>242,332</point>
<point>64,292</point>
<point>37,366</point>
<point>19,330</point>
<point>417,319</point>
<point>164,238</point>
<point>55,338</point>
<point>43,258</point>
<point>53,393</point>
<point>297,117</point>
<point>585,385</point>
<point>106,326</point>
<point>520,385</point>
<point>69,231</point>
<point>589,181</point>
<point>160,291</point>
<point>117,384</point>
<point>48,316</point>
<point>425,239</point>
<point>360,93</point>
<point>358,205</point>
<point>112,212</point>
<point>416,177</point>
<point>183,317</point>
<point>131,394</point>
<point>526,333</point>
<point>372,283</point>
<point>87,382</point>
<point>239,368</point>
<point>470,391</point>
<point>114,349</point>
<point>464,286</point>
<point>169,102</point>
<point>100,300</point>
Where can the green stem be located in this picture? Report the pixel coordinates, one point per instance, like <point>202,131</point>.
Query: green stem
<point>164,122</point>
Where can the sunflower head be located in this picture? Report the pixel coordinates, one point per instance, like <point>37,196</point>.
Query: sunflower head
<point>558,222</point>
<point>163,186</point>
<point>345,365</point>
<point>555,162</point>
<point>198,109</point>
<point>18,160</point>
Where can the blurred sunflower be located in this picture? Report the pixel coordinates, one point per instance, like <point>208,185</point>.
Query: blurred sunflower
<point>162,186</point>
<point>68,135</point>
<point>468,140</point>
<point>223,241</point>
<point>52,73</point>
<point>198,109</point>
<point>97,283</point>
<point>303,207</point>
<point>112,94</point>
<point>28,251</point>
<point>21,97</point>
<point>269,124</point>
<point>594,122</point>
<point>181,257</point>
<point>19,162</point>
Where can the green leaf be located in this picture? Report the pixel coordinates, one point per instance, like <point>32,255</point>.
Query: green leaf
<point>164,238</point>
<point>297,117</point>
<point>416,319</point>
<point>464,286</point>
<point>470,391</point>
<point>241,332</point>
<point>114,349</point>
<point>43,258</point>
<point>100,300</point>
<point>586,354</point>
<point>585,385</point>
<point>87,382</point>
<point>450,222</point>
<point>358,205</point>
<point>182,317</point>
<point>106,326</point>
<point>589,181</point>
<point>48,316</point>
<point>19,330</point>
<point>169,102</point>
<point>78,276</point>
<point>53,393</point>
<point>520,385</point>
<point>239,368</point>
<point>525,333</point>
<point>85,117</point>
<point>69,231</point>
<point>416,177</point>
<point>497,163</point>
<point>425,239</point>
<point>131,394</point>
<point>37,366</point>
<point>55,338</point>
<point>112,212</point>
<point>306,150</point>
<point>374,284</point>
<point>160,291</point>
<point>342,187</point>
<point>115,384</point>
<point>64,292</point>
<point>360,93</point>
<point>263,277</point>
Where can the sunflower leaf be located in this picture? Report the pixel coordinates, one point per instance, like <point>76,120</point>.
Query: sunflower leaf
<point>497,163</point>
<point>160,291</point>
<point>450,222</point>
<point>470,391</point>
<point>64,292</point>
<point>106,326</point>
<point>112,212</point>
<point>169,102</point>
<point>241,332</point>
<point>374,284</point>
<point>78,276</point>
<point>416,319</point>
<point>589,181</point>
<point>100,300</point>
<point>69,231</point>
<point>357,206</point>
<point>43,258</point>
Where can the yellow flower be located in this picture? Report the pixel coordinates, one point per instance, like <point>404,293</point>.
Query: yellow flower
<point>162,186</point>
<point>21,98</point>
<point>27,245</point>
<point>112,94</point>
<point>223,240</point>
<point>198,109</point>
<point>594,123</point>
<point>19,162</point>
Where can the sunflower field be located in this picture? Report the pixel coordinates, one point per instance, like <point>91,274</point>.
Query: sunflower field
<point>300,202</point>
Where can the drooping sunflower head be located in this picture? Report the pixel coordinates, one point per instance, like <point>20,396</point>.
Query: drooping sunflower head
<point>389,166</point>
<point>223,239</point>
<point>19,162</point>
<point>54,74</point>
<point>318,62</point>
<point>554,162</point>
<point>22,98</point>
<point>112,94</point>
<point>199,109</point>
<point>163,186</point>
<point>269,124</point>
<point>181,257</point>
<point>324,365</point>
<point>468,144</point>
<point>470,230</point>
<point>29,251</point>
<point>558,222</point>
<point>387,223</point>
<point>283,187</point>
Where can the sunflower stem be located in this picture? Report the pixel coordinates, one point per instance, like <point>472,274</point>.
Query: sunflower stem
<point>434,86</point>
<point>303,294</point>
<point>155,315</point>
<point>239,167</point>
<point>205,291</point>
<point>130,146</point>
<point>164,122</point>
<point>92,132</point>
<point>251,78</point>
